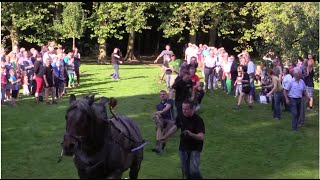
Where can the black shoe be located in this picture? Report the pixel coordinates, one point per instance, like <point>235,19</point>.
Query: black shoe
<point>54,102</point>
<point>250,107</point>
<point>163,146</point>
<point>236,107</point>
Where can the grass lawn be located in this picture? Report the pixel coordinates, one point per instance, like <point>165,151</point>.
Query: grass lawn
<point>238,144</point>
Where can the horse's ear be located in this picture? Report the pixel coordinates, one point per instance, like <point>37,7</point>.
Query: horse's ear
<point>72,98</point>
<point>103,100</point>
<point>91,100</point>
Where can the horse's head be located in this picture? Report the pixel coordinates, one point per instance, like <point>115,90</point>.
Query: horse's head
<point>84,122</point>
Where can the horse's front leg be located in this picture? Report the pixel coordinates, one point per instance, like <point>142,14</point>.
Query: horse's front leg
<point>117,174</point>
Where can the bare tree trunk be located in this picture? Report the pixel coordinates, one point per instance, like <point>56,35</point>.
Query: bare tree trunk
<point>14,33</point>
<point>139,45</point>
<point>193,38</point>
<point>158,43</point>
<point>102,57</point>
<point>213,33</point>
<point>73,42</point>
<point>130,49</point>
<point>212,36</point>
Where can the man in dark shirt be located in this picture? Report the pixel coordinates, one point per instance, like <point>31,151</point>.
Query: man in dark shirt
<point>191,140</point>
<point>163,119</point>
<point>233,72</point>
<point>182,88</point>
<point>48,78</point>
<point>39,70</point>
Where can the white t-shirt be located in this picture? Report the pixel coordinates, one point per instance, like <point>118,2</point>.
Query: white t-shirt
<point>210,62</point>
<point>286,80</point>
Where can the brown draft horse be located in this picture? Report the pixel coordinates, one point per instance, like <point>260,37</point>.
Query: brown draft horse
<point>101,147</point>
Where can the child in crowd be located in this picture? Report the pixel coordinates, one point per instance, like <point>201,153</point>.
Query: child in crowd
<point>200,94</point>
<point>25,84</point>
<point>71,73</point>
<point>3,82</point>
<point>15,86</point>
<point>238,84</point>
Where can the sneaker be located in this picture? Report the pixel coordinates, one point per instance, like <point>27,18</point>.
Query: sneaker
<point>48,103</point>
<point>236,107</point>
<point>250,107</point>
<point>37,100</point>
<point>54,102</point>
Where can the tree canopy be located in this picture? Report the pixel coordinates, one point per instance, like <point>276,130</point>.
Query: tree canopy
<point>289,28</point>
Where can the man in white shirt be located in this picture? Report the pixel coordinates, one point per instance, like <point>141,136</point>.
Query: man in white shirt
<point>285,82</point>
<point>250,64</point>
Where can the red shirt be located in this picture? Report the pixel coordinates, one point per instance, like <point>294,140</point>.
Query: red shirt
<point>195,79</point>
<point>3,80</point>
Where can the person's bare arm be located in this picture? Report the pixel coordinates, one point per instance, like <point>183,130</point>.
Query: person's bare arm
<point>285,93</point>
<point>167,108</point>
<point>274,82</point>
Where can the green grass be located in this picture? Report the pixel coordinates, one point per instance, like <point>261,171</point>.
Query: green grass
<point>243,144</point>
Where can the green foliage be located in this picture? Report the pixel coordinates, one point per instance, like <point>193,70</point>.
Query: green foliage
<point>105,20</point>
<point>24,17</point>
<point>71,23</point>
<point>291,28</point>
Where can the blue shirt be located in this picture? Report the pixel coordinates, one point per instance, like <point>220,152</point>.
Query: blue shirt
<point>16,85</point>
<point>66,59</point>
<point>296,88</point>
<point>162,105</point>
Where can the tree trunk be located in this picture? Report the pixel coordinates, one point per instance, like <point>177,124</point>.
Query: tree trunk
<point>14,33</point>
<point>139,45</point>
<point>130,49</point>
<point>102,57</point>
<point>73,43</point>
<point>158,43</point>
<point>213,33</point>
<point>212,36</point>
<point>193,38</point>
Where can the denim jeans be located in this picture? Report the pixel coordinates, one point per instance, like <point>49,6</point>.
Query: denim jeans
<point>276,112</point>
<point>208,77</point>
<point>116,71</point>
<point>190,164</point>
<point>295,111</point>
<point>168,80</point>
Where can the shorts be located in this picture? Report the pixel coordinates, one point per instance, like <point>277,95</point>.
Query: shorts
<point>246,89</point>
<point>14,94</point>
<point>162,123</point>
<point>165,64</point>
<point>309,91</point>
<point>251,93</point>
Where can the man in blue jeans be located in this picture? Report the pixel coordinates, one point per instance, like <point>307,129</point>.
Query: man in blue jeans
<point>191,140</point>
<point>293,94</point>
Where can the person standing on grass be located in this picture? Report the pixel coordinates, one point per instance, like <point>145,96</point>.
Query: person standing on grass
<point>308,80</point>
<point>277,94</point>
<point>39,71</point>
<point>76,57</point>
<point>166,54</point>
<point>293,94</point>
<point>48,78</point>
<point>182,88</point>
<point>15,87</point>
<point>285,81</point>
<point>191,140</point>
<point>116,60</point>
<point>245,89</point>
<point>174,65</point>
